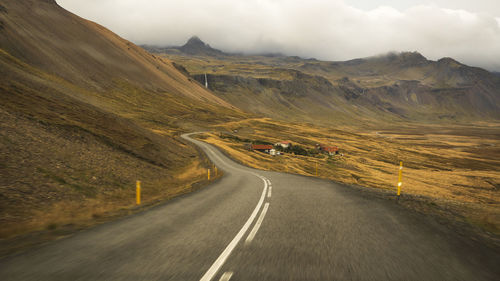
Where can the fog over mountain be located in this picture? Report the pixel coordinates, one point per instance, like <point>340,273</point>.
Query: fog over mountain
<point>468,31</point>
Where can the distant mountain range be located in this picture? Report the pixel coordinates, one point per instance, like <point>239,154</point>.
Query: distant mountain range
<point>395,86</point>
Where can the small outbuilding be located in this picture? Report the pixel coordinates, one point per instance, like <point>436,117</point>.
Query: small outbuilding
<point>262,147</point>
<point>284,144</point>
<point>330,150</point>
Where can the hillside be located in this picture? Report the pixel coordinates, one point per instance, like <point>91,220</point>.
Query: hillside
<point>84,114</point>
<point>394,87</point>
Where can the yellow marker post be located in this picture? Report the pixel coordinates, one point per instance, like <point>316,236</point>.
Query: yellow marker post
<point>400,178</point>
<point>138,192</point>
<point>208,174</point>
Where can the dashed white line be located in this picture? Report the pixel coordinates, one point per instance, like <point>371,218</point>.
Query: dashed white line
<point>212,271</point>
<point>256,227</point>
<point>226,276</point>
<point>225,254</point>
<point>269,192</point>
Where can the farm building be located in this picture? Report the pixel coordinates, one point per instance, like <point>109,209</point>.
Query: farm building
<point>262,147</point>
<point>284,144</point>
<point>330,150</point>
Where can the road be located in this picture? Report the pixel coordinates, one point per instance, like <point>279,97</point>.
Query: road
<point>259,225</point>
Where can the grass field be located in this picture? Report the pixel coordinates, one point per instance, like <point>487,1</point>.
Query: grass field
<point>454,167</point>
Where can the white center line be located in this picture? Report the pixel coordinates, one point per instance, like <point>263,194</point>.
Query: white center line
<point>226,276</point>
<point>225,254</point>
<point>256,227</point>
<point>270,191</point>
<point>212,271</point>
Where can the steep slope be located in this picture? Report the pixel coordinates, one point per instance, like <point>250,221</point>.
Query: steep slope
<point>302,98</point>
<point>84,53</point>
<point>84,114</point>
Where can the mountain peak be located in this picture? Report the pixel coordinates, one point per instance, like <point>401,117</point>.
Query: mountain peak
<point>195,46</point>
<point>448,61</point>
<point>413,56</point>
<point>405,59</point>
<point>407,56</point>
<point>195,41</point>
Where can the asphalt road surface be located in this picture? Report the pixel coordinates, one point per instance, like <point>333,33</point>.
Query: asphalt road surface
<point>257,225</point>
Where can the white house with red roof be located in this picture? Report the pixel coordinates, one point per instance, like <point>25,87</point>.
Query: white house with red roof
<point>284,144</point>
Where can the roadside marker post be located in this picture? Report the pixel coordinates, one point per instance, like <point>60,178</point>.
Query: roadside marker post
<point>208,174</point>
<point>138,192</point>
<point>400,178</point>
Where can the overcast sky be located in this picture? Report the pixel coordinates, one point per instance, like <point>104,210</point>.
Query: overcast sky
<point>466,30</point>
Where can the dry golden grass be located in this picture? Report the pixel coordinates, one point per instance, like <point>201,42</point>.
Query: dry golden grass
<point>456,165</point>
<point>108,204</point>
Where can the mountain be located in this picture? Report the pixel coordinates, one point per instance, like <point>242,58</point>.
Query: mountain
<point>417,87</point>
<point>402,86</point>
<point>84,114</point>
<point>445,72</point>
<point>194,47</point>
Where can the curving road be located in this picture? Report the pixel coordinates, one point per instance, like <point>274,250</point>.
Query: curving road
<point>257,225</point>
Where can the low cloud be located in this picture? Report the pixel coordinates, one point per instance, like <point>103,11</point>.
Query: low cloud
<point>324,29</point>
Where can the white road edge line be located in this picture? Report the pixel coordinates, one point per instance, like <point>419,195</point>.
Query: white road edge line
<point>225,254</point>
<point>256,227</point>
<point>269,191</point>
<point>226,276</point>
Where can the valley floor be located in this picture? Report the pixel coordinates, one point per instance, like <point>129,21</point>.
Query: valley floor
<point>452,170</point>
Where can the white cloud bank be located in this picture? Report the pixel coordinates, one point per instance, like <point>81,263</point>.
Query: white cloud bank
<point>324,29</point>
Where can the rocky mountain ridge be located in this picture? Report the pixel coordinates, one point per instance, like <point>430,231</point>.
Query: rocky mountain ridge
<point>396,86</point>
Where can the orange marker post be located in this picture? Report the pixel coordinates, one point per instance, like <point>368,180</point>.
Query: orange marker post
<point>400,178</point>
<point>138,192</point>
